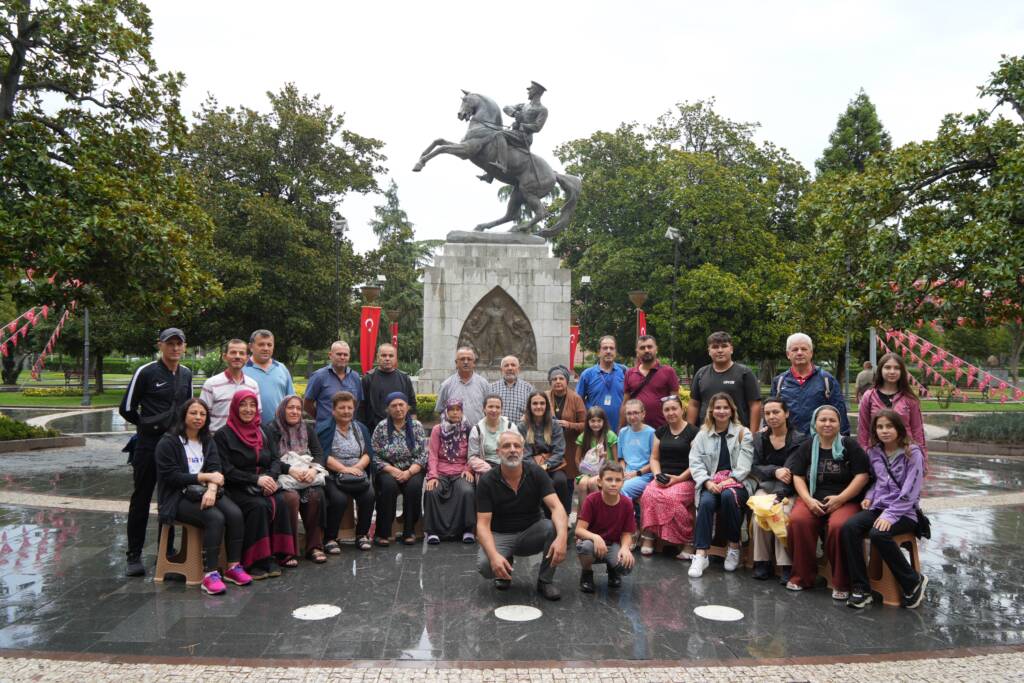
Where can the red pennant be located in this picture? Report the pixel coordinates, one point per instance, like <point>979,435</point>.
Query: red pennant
<point>3,349</point>
<point>12,326</point>
<point>925,347</point>
<point>1018,394</point>
<point>574,338</point>
<point>1003,399</point>
<point>45,312</point>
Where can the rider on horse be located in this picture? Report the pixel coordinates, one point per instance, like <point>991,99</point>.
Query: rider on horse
<point>530,118</point>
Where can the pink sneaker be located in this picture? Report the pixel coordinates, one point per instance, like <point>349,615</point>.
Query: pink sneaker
<point>238,576</point>
<point>212,585</point>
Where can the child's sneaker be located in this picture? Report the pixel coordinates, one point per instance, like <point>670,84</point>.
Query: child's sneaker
<point>697,566</point>
<point>859,600</point>
<point>840,595</point>
<point>238,576</point>
<point>212,585</point>
<point>914,599</point>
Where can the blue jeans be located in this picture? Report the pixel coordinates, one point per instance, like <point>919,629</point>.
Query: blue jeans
<point>635,486</point>
<point>730,509</point>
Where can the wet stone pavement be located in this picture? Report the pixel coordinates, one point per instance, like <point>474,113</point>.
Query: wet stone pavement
<point>62,590</point>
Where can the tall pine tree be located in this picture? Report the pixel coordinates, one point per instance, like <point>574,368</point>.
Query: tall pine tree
<point>858,135</point>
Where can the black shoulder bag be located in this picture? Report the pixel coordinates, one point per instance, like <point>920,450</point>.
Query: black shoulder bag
<point>924,525</point>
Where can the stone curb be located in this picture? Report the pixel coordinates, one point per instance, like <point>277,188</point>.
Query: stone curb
<point>39,444</point>
<point>973,448</point>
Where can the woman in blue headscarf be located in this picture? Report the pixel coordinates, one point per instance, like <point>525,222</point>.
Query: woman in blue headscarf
<point>400,447</point>
<point>829,474</point>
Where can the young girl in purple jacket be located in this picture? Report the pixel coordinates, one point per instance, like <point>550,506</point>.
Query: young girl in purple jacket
<point>889,509</point>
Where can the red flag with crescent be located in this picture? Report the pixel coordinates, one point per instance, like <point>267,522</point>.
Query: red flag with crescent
<point>394,336</point>
<point>641,323</point>
<point>574,339</point>
<point>369,326</point>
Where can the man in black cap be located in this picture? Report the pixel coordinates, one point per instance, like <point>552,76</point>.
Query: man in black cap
<point>530,118</point>
<point>155,394</point>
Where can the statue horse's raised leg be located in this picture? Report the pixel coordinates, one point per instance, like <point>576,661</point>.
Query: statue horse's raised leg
<point>515,201</point>
<point>463,150</point>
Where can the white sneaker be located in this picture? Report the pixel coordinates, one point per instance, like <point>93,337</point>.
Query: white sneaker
<point>698,565</point>
<point>732,559</point>
<point>572,519</point>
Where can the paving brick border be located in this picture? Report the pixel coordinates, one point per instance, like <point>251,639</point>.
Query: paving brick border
<point>21,445</point>
<point>975,448</point>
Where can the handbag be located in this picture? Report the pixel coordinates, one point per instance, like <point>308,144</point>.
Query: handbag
<point>924,525</point>
<point>591,462</point>
<point>290,483</point>
<point>350,483</point>
<point>195,492</point>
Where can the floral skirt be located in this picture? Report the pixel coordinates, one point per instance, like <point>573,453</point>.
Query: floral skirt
<point>666,512</point>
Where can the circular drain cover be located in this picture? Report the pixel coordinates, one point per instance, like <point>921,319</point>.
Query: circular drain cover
<point>517,613</point>
<point>315,612</point>
<point>718,613</point>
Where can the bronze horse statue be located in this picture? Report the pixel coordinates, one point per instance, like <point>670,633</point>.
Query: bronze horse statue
<point>530,176</point>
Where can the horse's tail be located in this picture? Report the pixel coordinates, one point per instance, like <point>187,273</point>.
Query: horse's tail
<point>571,186</point>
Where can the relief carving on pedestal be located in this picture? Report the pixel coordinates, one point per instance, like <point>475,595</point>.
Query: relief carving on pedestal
<point>498,327</point>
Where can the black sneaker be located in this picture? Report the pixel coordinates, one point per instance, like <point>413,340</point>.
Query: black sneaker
<point>134,567</point>
<point>587,582</point>
<point>549,591</point>
<point>502,584</point>
<point>859,600</point>
<point>785,573</point>
<point>914,599</point>
<point>762,570</point>
<point>614,580</point>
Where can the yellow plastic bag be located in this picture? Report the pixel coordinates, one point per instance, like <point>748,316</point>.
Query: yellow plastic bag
<point>769,514</point>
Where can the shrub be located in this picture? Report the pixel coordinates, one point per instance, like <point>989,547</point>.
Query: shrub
<point>995,428</point>
<point>425,407</point>
<point>52,391</point>
<point>11,430</point>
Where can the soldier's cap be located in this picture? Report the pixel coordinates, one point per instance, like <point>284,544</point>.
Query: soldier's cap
<point>170,333</point>
<point>535,84</point>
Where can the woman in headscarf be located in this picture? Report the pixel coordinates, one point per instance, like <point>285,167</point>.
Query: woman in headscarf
<point>570,412</point>
<point>830,472</point>
<point>400,447</point>
<point>289,434</point>
<point>449,506</point>
<point>250,475</point>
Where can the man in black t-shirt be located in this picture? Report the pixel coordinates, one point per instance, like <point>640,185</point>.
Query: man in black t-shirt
<point>723,375</point>
<point>509,520</point>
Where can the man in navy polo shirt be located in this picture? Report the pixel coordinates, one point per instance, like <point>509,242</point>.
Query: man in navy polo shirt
<point>649,381</point>
<point>329,380</point>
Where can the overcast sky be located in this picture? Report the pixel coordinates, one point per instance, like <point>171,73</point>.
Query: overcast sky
<point>395,70</point>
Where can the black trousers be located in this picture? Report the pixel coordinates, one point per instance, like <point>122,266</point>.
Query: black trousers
<point>144,478</point>
<point>222,521</point>
<point>561,485</point>
<point>337,501</point>
<point>387,500</point>
<point>852,538</point>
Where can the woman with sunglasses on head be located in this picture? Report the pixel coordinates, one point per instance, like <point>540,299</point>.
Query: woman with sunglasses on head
<point>189,489</point>
<point>665,503</point>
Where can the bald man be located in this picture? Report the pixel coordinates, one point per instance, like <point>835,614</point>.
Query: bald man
<point>327,381</point>
<point>513,391</point>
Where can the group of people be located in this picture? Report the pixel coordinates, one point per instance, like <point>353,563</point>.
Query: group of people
<point>504,463</point>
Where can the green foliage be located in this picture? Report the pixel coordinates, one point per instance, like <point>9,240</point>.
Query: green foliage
<point>857,137</point>
<point>51,391</point>
<point>400,258</point>
<point>425,404</point>
<point>271,182</point>
<point>210,364</point>
<point>1001,428</point>
<point>929,231</point>
<point>89,186</point>
<point>12,430</point>
<point>732,201</point>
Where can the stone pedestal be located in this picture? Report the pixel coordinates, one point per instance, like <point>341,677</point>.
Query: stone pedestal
<point>501,299</point>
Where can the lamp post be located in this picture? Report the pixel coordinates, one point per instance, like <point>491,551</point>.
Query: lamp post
<point>338,227</point>
<point>584,290</point>
<point>86,398</point>
<point>676,237</point>
<point>638,297</point>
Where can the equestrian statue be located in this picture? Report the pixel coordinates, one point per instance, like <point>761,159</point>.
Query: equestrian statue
<point>504,153</point>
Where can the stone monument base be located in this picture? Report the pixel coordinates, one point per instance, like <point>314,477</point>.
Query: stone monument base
<point>500,296</point>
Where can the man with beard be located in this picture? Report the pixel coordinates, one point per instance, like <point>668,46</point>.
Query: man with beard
<point>510,523</point>
<point>649,382</point>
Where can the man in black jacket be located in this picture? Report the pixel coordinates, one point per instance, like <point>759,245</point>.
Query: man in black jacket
<point>380,382</point>
<point>156,391</point>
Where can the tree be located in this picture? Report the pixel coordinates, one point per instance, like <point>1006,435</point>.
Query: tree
<point>400,258</point>
<point>932,230</point>
<point>89,188</point>
<point>733,202</point>
<point>271,183</point>
<point>857,137</point>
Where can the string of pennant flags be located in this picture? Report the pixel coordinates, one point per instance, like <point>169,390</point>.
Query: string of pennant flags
<point>934,361</point>
<point>18,329</point>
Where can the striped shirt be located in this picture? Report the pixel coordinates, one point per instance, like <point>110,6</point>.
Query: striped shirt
<point>217,393</point>
<point>513,398</point>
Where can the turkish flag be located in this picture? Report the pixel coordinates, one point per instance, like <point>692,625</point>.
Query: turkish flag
<point>369,324</point>
<point>574,339</point>
<point>641,323</point>
<point>394,336</point>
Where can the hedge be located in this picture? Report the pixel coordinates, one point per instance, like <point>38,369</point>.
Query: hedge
<point>995,428</point>
<point>12,430</point>
<point>52,391</point>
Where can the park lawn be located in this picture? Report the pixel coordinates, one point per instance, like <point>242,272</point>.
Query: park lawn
<point>17,400</point>
<point>930,405</point>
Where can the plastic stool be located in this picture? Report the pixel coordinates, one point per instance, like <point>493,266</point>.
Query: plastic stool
<point>188,561</point>
<point>882,579</point>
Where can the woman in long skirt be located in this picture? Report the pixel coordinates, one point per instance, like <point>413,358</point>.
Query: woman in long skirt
<point>449,505</point>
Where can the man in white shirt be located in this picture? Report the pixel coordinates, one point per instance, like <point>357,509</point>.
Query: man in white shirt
<point>219,389</point>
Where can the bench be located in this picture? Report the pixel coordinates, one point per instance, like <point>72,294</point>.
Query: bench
<point>75,376</point>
